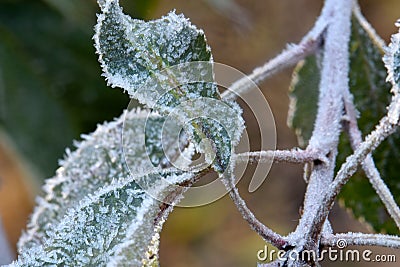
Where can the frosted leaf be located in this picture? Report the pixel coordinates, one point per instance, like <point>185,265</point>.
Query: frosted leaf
<point>164,63</point>
<point>304,99</point>
<point>159,139</point>
<point>216,121</point>
<point>202,116</point>
<point>123,234</point>
<point>392,60</point>
<point>93,212</point>
<point>371,97</point>
<point>131,51</point>
<point>97,161</point>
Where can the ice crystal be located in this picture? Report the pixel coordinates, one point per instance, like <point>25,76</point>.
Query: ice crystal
<point>93,204</point>
<point>165,64</point>
<point>101,208</point>
<point>392,63</point>
<point>131,51</point>
<point>392,60</point>
<point>206,124</point>
<point>116,225</point>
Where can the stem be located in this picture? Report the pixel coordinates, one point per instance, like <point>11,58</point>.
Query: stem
<point>314,228</point>
<point>175,196</point>
<point>288,156</point>
<point>384,129</point>
<point>266,233</point>
<point>289,57</point>
<point>285,59</point>
<point>368,164</point>
<point>334,81</point>
<point>361,239</point>
<point>387,126</point>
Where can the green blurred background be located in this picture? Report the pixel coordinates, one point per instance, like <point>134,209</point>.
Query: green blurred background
<point>51,91</point>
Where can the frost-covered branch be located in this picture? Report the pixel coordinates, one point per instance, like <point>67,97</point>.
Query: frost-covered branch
<point>361,239</point>
<point>325,137</point>
<point>368,164</point>
<point>266,233</point>
<point>387,125</point>
<point>289,57</point>
<point>288,156</point>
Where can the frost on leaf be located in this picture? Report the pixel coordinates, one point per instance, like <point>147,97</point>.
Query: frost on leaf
<point>392,60</point>
<point>118,225</point>
<point>206,124</point>
<point>96,167</point>
<point>166,63</point>
<point>371,97</point>
<point>304,99</point>
<point>133,51</point>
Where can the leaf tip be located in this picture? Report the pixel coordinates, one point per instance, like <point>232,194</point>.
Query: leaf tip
<point>392,59</point>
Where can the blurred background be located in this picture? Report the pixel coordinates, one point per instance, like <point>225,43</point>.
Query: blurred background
<point>51,91</point>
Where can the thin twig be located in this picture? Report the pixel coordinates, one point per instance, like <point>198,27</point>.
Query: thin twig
<point>368,164</point>
<point>360,239</point>
<point>288,156</point>
<point>266,233</point>
<point>387,126</point>
<point>286,58</point>
<point>289,57</point>
<point>327,230</point>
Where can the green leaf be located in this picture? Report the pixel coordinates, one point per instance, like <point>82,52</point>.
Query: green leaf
<point>94,209</point>
<point>115,225</point>
<point>371,96</point>
<point>392,60</point>
<point>304,99</point>
<point>132,51</point>
<point>166,64</point>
